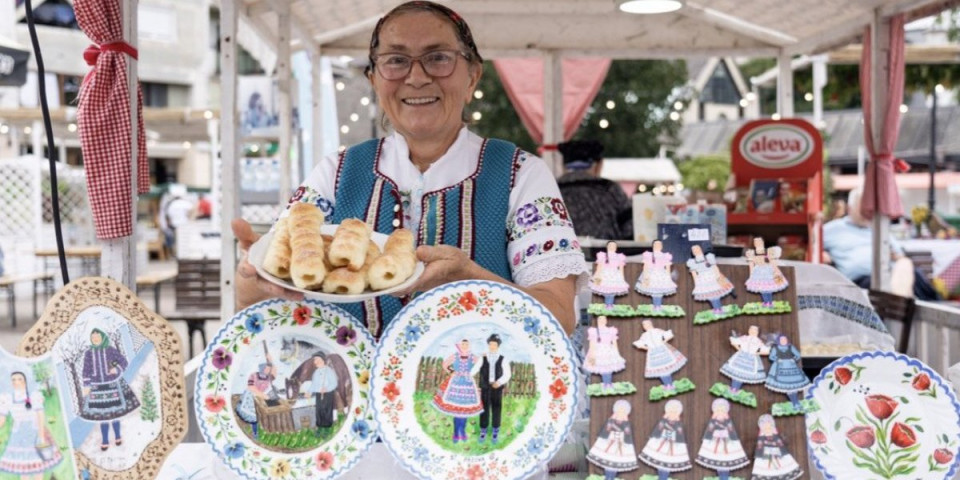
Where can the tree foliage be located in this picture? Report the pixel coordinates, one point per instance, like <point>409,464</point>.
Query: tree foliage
<point>642,92</point>
<point>699,171</point>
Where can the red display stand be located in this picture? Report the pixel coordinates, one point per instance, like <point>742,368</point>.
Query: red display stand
<point>788,149</point>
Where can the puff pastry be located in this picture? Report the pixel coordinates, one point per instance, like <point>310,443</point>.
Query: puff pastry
<point>396,264</point>
<point>350,244</point>
<point>345,281</point>
<point>306,244</point>
<point>277,261</point>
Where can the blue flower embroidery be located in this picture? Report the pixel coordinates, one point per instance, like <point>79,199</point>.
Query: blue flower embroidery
<point>412,333</point>
<point>234,450</point>
<point>361,428</point>
<point>564,243</point>
<point>324,205</point>
<point>528,215</point>
<point>535,446</point>
<point>531,325</point>
<point>254,323</point>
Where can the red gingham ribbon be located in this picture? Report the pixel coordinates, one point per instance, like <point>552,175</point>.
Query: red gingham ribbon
<point>103,120</point>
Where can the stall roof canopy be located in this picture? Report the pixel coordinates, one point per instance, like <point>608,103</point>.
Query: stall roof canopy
<point>505,28</point>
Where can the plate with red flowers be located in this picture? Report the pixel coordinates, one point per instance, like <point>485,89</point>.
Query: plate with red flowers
<point>283,391</point>
<point>885,415</point>
<point>474,380</point>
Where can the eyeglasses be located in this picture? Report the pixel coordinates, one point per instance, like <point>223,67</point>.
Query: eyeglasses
<point>437,64</point>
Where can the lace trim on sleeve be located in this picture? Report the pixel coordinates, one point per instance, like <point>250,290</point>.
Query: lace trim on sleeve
<point>553,267</point>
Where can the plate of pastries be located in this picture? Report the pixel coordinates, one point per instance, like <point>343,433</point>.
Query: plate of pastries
<point>342,263</point>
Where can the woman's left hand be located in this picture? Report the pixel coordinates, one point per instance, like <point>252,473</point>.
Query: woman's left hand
<point>443,264</point>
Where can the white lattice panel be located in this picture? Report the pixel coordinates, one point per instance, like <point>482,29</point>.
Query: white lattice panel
<point>262,214</point>
<point>16,218</point>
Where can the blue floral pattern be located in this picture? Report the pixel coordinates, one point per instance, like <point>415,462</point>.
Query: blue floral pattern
<point>536,249</point>
<point>542,212</point>
<point>307,194</point>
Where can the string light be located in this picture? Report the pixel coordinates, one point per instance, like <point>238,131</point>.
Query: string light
<point>604,123</point>
<point>72,127</point>
<point>478,94</point>
<point>255,148</point>
<point>642,188</point>
<point>4,129</point>
<point>354,117</point>
<point>340,86</point>
<point>207,114</point>
<point>678,105</point>
<point>674,116</point>
<point>344,129</point>
<point>477,115</point>
<point>775,116</point>
<point>27,130</point>
<point>744,102</point>
<point>808,96</point>
<point>904,108</point>
<point>364,101</point>
<point>611,104</point>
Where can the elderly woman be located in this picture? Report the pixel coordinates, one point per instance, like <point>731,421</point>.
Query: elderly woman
<point>480,208</point>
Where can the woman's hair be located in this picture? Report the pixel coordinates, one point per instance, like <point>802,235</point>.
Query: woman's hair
<point>459,26</point>
<point>622,405</point>
<point>720,403</point>
<point>104,339</point>
<point>767,419</point>
<point>25,387</point>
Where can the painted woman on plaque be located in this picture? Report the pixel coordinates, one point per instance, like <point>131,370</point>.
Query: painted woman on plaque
<point>666,450</point>
<point>745,366</point>
<point>603,358</point>
<point>710,285</point>
<point>772,461</point>
<point>614,450</point>
<point>663,360</point>
<point>107,396</point>
<point>765,279</point>
<point>721,449</point>
<point>608,281</point>
<point>656,281</point>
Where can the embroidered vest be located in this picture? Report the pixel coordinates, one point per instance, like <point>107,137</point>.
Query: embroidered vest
<point>455,215</point>
<point>485,371</point>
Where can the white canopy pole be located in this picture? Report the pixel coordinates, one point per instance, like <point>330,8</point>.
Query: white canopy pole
<point>118,259</point>
<point>283,90</point>
<point>552,108</point>
<point>880,86</point>
<point>316,108</point>
<point>229,153</point>
<point>819,81</point>
<point>213,132</point>
<point>784,85</point>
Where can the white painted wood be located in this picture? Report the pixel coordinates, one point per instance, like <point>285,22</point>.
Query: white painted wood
<point>552,108</point>
<point>880,86</point>
<point>784,86</point>
<point>346,30</point>
<point>923,341</point>
<point>737,25</point>
<point>213,132</point>
<point>284,75</point>
<point>118,259</point>
<point>230,152</point>
<point>944,348</point>
<point>316,108</point>
<point>259,26</point>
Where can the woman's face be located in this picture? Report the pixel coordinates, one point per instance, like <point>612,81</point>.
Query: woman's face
<point>753,331</point>
<point>465,345</point>
<point>657,246</point>
<point>758,244</point>
<point>697,251</point>
<point>19,383</point>
<point>602,321</point>
<point>95,338</point>
<point>783,341</point>
<point>419,106</point>
<point>611,247</point>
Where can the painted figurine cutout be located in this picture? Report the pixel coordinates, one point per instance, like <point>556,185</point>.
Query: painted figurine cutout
<point>608,281</point>
<point>721,449</point>
<point>772,461</point>
<point>711,286</point>
<point>323,385</point>
<point>765,279</point>
<point>30,451</point>
<point>459,396</point>
<point>259,386</point>
<point>786,376</point>
<point>656,281</point>
<point>743,367</point>
<point>107,396</point>
<point>494,373</point>
<point>614,449</point>
<point>663,360</point>
<point>604,359</point>
<point>666,450</point>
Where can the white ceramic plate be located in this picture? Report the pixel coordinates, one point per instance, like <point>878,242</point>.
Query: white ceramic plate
<point>411,390</point>
<point>884,415</point>
<point>288,444</point>
<point>258,251</point>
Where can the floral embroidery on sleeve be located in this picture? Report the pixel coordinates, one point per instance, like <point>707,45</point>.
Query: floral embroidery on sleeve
<point>306,194</point>
<point>542,212</point>
<point>540,248</point>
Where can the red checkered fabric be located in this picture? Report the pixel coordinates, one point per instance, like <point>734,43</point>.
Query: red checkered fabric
<point>103,119</point>
<point>951,275</point>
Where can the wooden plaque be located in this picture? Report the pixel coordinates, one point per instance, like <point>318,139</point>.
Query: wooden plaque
<point>706,347</point>
<point>125,401</point>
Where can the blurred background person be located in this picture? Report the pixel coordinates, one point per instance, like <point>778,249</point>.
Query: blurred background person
<point>598,206</point>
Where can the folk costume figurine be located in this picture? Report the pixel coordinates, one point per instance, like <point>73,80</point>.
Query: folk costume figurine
<point>259,386</point>
<point>494,374</point>
<point>29,435</point>
<point>608,280</point>
<point>772,461</point>
<point>765,279</point>
<point>459,396</point>
<point>656,282</point>
<point>721,449</point>
<point>106,395</point>
<point>614,450</point>
<point>663,360</point>
<point>604,359</point>
<point>711,286</point>
<point>786,376</point>
<point>666,450</point>
<point>743,367</point>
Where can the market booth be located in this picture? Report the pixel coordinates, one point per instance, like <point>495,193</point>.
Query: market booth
<point>671,333</point>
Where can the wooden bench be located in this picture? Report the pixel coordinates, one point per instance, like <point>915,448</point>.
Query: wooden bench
<point>9,282</point>
<point>197,287</point>
<point>890,306</point>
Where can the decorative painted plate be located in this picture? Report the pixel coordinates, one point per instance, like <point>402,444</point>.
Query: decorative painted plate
<point>474,380</point>
<point>885,415</point>
<point>258,252</point>
<point>283,391</point>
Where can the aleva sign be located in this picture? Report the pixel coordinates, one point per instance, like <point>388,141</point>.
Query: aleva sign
<point>776,146</point>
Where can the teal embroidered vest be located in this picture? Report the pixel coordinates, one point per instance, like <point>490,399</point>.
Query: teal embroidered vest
<point>471,215</point>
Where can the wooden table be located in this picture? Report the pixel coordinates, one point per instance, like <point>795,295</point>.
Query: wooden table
<point>89,257</point>
<point>9,282</point>
<point>155,280</point>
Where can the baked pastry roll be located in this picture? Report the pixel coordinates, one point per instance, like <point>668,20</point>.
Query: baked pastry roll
<point>344,281</point>
<point>397,262</point>
<point>277,261</point>
<point>350,244</point>
<point>306,245</point>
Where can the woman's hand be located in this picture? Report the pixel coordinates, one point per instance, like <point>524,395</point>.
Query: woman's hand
<point>250,288</point>
<point>443,264</point>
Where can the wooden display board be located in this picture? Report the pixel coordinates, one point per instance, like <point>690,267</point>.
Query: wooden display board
<point>706,347</point>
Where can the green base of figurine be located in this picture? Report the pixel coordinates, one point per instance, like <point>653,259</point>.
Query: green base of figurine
<point>600,477</point>
<point>785,409</point>
<point>618,388</point>
<point>616,310</point>
<point>718,478</point>
<point>757,308</point>
<point>659,392</point>
<point>646,310</point>
<point>647,476</point>
<point>742,397</point>
<point>708,316</point>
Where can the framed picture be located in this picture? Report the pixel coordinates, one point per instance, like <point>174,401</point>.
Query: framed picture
<point>764,195</point>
